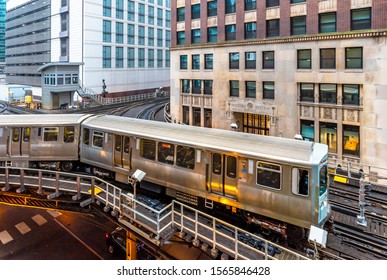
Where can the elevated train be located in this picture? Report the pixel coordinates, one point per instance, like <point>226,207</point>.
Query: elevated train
<point>276,183</point>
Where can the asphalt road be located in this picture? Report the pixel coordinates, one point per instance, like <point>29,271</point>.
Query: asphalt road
<point>37,234</point>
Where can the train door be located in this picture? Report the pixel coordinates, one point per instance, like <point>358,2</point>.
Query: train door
<point>20,141</point>
<point>121,151</point>
<point>224,179</point>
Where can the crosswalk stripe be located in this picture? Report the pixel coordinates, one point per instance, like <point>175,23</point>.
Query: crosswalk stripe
<point>54,213</point>
<point>39,219</point>
<point>5,237</point>
<point>23,228</point>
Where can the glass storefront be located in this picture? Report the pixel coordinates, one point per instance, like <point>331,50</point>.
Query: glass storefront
<point>351,140</point>
<point>256,124</point>
<point>328,135</point>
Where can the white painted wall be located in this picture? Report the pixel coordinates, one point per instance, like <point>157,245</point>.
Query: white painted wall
<point>120,79</point>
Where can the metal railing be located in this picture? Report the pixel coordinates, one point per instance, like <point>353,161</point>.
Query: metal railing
<point>99,98</point>
<point>204,229</point>
<point>354,170</point>
<point>85,92</point>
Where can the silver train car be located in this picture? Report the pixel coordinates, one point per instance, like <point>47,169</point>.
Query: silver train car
<point>279,184</point>
<point>45,141</point>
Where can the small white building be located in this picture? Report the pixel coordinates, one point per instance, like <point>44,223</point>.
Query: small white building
<point>62,45</point>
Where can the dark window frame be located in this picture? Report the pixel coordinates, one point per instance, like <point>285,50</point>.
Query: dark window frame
<point>304,61</point>
<point>272,3</point>
<point>268,93</point>
<point>306,95</point>
<point>233,62</point>
<point>250,30</point>
<point>148,149</point>
<point>166,153</point>
<point>195,58</point>
<point>212,37</point>
<point>327,61</point>
<point>250,63</point>
<point>230,6</point>
<point>250,5</point>
<point>272,28</point>
<point>208,61</point>
<point>349,60</point>
<point>180,14</point>
<point>195,36</point>
<point>351,94</point>
<point>251,89</point>
<point>298,25</point>
<point>269,175</point>
<point>207,87</point>
<point>230,36</point>
<point>195,11</point>
<point>183,62</point>
<point>212,10</point>
<point>234,91</point>
<point>326,95</point>
<point>363,23</point>
<point>268,60</point>
<point>185,157</point>
<point>328,26</point>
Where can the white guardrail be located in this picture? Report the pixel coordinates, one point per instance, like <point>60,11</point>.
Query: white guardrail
<point>157,225</point>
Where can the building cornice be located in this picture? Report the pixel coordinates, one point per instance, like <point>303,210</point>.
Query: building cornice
<point>291,39</point>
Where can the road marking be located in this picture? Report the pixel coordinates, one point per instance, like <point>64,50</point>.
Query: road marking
<point>39,219</point>
<point>23,228</point>
<point>5,237</point>
<point>77,238</point>
<point>54,213</point>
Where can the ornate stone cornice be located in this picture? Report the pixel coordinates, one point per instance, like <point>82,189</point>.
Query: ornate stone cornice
<point>291,39</point>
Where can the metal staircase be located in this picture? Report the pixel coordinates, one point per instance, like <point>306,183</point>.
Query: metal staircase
<point>88,93</point>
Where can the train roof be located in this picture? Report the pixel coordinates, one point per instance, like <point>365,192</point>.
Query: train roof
<point>268,147</point>
<point>41,119</point>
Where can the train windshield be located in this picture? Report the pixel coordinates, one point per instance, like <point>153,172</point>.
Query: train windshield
<point>323,179</point>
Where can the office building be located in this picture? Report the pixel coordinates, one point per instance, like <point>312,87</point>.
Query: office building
<point>62,45</point>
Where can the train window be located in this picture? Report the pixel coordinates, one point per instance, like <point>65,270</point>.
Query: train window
<point>98,139</point>
<point>50,134</point>
<point>126,145</point>
<point>231,167</point>
<point>118,144</point>
<point>216,164</point>
<point>166,153</point>
<point>148,149</point>
<point>185,157</point>
<point>16,134</point>
<point>269,175</point>
<point>68,135</point>
<point>86,136</point>
<point>323,179</point>
<point>300,181</point>
<point>26,134</point>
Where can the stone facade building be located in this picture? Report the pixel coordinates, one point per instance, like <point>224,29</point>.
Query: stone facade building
<point>315,68</point>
